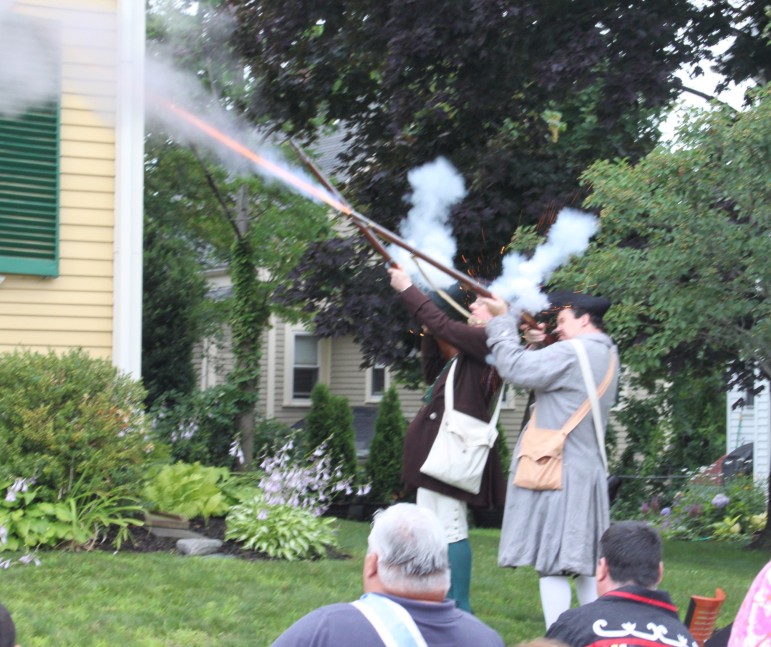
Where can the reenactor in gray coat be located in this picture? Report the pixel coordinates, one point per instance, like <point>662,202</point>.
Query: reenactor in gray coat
<point>556,526</point>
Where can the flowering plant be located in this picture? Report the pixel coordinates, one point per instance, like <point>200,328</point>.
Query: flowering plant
<point>312,485</point>
<point>78,521</point>
<point>730,511</point>
<point>283,518</point>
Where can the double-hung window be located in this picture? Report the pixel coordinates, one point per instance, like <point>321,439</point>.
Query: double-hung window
<point>306,365</point>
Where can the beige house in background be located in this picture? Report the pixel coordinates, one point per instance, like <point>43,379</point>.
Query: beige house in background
<point>294,359</point>
<point>71,169</point>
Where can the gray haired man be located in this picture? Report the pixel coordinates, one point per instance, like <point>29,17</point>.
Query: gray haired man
<point>406,577</point>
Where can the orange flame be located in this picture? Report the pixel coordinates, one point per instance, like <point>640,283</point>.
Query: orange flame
<point>272,168</point>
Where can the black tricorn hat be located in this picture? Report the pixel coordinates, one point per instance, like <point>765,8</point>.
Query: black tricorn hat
<point>592,304</point>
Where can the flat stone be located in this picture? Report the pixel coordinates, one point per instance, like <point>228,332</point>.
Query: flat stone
<point>195,546</point>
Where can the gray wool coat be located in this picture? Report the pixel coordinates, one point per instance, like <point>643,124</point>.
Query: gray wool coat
<point>556,531</point>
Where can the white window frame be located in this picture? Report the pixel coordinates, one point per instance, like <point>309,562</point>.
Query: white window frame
<point>369,396</point>
<point>324,350</point>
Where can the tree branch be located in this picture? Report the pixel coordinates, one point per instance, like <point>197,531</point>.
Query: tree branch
<point>229,216</point>
<point>704,95</point>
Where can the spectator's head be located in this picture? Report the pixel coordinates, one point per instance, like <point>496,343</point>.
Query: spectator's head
<point>407,554</point>
<point>630,553</point>
<point>7,628</point>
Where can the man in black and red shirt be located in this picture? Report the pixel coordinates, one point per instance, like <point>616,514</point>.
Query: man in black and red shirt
<point>630,609</point>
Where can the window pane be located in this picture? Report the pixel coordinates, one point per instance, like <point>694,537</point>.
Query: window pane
<point>304,381</point>
<point>378,380</point>
<point>306,350</point>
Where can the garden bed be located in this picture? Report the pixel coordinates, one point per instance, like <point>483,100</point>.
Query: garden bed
<point>143,541</point>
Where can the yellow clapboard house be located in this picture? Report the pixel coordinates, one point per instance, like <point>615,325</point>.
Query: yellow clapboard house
<point>71,167</point>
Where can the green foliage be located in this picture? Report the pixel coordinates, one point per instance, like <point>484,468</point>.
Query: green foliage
<point>669,432</point>
<point>173,311</point>
<point>270,434</point>
<point>77,521</point>
<point>199,426</point>
<point>384,463</point>
<point>330,422</point>
<point>341,445</point>
<point>704,509</point>
<point>503,449</point>
<point>683,251</point>
<point>558,86</point>
<point>281,531</point>
<point>70,419</point>
<point>241,221</point>
<point>317,422</point>
<point>190,490</point>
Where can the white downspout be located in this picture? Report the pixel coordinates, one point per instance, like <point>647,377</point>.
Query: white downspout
<point>129,187</point>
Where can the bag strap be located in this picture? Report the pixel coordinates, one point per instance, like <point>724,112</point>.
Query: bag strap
<point>594,393</point>
<point>449,394</point>
<point>449,386</point>
<point>390,620</point>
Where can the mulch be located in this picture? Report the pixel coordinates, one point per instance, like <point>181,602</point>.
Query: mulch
<point>143,541</point>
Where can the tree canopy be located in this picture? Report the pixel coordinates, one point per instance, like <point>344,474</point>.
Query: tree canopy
<point>683,246</point>
<point>520,96</point>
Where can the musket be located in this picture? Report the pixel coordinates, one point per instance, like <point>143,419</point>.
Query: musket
<point>369,228</point>
<point>365,231</point>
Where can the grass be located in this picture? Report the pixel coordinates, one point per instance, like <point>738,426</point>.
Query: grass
<point>163,600</point>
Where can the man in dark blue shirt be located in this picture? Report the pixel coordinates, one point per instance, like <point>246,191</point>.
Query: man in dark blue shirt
<point>630,609</point>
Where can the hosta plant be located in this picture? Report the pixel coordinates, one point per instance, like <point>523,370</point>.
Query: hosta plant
<point>279,530</point>
<point>190,490</point>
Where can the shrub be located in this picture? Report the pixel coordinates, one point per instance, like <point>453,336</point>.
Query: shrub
<point>732,511</point>
<point>271,434</point>
<point>173,311</point>
<point>70,419</point>
<point>280,530</point>
<point>502,447</point>
<point>330,422</point>
<point>384,463</point>
<point>199,427</point>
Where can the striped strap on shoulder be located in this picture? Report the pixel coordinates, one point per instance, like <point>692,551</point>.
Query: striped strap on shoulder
<point>391,620</point>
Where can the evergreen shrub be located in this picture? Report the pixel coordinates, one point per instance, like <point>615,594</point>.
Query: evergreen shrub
<point>330,422</point>
<point>384,463</point>
<point>200,426</point>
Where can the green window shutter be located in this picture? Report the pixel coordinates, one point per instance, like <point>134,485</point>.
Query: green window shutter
<point>29,192</point>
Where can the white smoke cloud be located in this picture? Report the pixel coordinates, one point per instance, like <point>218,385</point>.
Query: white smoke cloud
<point>173,91</point>
<point>29,61</point>
<point>31,67</point>
<point>436,187</point>
<point>521,278</point>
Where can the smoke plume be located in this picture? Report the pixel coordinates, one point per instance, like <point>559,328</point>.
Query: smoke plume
<point>436,187</point>
<point>521,278</point>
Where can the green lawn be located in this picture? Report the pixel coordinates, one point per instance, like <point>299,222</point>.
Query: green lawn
<point>100,599</point>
